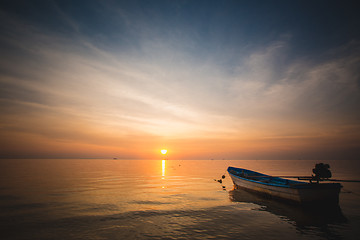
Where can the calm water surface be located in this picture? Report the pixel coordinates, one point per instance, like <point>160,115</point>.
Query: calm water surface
<point>162,199</point>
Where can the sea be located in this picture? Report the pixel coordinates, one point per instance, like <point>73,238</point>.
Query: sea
<point>163,199</point>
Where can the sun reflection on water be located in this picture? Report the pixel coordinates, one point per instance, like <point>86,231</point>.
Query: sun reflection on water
<point>163,168</point>
<point>163,165</point>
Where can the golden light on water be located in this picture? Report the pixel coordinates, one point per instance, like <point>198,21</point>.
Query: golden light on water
<point>163,151</point>
<point>163,167</point>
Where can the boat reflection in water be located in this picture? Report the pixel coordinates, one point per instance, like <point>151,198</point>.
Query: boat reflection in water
<point>302,217</point>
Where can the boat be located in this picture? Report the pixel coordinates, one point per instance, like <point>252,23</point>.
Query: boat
<point>292,191</point>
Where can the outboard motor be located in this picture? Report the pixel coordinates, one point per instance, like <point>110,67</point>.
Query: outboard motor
<point>321,171</point>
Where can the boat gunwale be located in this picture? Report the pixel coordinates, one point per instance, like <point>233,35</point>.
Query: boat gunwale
<point>259,182</point>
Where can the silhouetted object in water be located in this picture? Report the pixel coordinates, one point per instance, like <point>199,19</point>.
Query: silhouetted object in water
<point>220,180</point>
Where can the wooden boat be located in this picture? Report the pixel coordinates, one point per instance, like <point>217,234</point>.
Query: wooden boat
<point>284,189</point>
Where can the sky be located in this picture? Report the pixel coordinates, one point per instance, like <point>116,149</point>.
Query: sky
<point>203,79</point>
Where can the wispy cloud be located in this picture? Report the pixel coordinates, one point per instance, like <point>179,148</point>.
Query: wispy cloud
<point>300,90</point>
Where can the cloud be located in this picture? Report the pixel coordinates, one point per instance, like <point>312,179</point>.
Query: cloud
<point>81,82</point>
<point>301,85</point>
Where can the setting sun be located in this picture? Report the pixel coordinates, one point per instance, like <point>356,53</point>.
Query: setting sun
<point>163,151</point>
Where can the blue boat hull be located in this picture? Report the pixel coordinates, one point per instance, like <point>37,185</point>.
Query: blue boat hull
<point>284,189</point>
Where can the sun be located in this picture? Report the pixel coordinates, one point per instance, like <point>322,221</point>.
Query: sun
<point>163,151</point>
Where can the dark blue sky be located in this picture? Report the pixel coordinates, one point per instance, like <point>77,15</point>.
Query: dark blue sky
<point>315,26</point>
